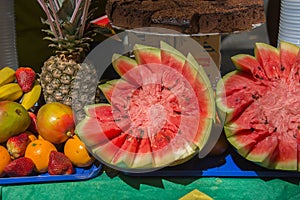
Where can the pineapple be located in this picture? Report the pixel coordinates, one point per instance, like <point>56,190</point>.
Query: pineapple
<point>64,78</point>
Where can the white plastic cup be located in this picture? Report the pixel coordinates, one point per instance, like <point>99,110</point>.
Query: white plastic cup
<point>289,3</point>
<point>289,35</point>
<point>8,51</point>
<point>287,39</point>
<point>289,24</point>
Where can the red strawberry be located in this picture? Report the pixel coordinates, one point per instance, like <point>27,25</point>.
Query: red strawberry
<point>16,145</point>
<point>32,127</point>
<point>59,164</point>
<point>19,167</point>
<point>25,77</point>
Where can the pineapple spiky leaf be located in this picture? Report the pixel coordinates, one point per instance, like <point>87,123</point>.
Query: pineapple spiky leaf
<point>67,20</point>
<point>66,10</point>
<point>70,39</point>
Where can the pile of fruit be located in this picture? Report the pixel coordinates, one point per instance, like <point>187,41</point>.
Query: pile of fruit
<point>35,141</point>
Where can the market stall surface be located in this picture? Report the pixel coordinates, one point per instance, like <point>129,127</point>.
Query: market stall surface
<point>120,186</point>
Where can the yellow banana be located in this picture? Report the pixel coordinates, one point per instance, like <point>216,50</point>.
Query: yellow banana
<point>7,75</point>
<point>31,97</point>
<point>10,92</point>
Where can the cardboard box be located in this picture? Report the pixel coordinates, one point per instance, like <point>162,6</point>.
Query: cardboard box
<point>212,44</point>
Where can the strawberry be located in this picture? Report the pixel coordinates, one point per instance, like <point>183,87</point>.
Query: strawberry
<point>19,167</point>
<point>32,127</point>
<point>59,164</point>
<point>25,77</point>
<point>16,145</point>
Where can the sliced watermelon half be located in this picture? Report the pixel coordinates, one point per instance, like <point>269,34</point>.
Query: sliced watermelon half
<point>262,102</point>
<point>163,107</point>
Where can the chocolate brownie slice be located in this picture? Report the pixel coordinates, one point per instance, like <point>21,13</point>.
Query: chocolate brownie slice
<point>198,16</point>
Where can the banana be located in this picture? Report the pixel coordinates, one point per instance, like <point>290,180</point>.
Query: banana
<point>10,92</point>
<point>7,75</point>
<point>31,97</point>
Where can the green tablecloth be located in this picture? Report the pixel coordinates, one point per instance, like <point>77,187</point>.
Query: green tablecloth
<point>126,187</point>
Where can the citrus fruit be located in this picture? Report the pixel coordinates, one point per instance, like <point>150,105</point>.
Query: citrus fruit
<point>76,151</point>
<point>38,151</point>
<point>4,159</point>
<point>55,122</point>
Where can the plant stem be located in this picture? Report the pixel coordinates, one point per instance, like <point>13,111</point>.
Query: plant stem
<point>84,17</point>
<point>56,19</point>
<point>45,8</point>
<point>78,3</point>
<point>56,5</point>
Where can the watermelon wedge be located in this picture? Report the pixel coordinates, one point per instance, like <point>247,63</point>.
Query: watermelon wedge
<point>262,102</point>
<point>160,111</point>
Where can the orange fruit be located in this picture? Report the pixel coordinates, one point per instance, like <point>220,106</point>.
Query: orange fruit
<point>39,151</point>
<point>4,159</point>
<point>76,151</point>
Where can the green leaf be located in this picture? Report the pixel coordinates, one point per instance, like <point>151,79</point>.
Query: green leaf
<point>49,32</point>
<point>60,2</point>
<point>66,10</point>
<point>68,28</point>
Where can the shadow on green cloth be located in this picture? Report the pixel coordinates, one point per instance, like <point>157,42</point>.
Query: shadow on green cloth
<point>155,181</point>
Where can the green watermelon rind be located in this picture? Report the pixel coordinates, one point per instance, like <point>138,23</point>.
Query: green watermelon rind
<point>117,58</point>
<point>166,47</point>
<point>261,45</point>
<point>108,87</point>
<point>204,77</point>
<point>236,61</point>
<point>204,80</point>
<point>140,48</point>
<point>220,91</point>
<point>232,130</point>
<point>79,131</point>
<point>289,47</point>
<point>88,107</point>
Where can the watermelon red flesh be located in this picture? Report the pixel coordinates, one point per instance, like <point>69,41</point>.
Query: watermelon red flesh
<point>123,64</point>
<point>258,153</point>
<point>250,65</point>
<point>269,58</point>
<point>143,157</point>
<point>247,140</point>
<point>125,156</point>
<point>108,150</point>
<point>286,155</point>
<point>237,93</point>
<point>146,55</point>
<point>160,107</point>
<point>265,129</point>
<point>106,113</point>
<point>123,86</point>
<point>171,57</point>
<point>201,86</point>
<point>151,105</point>
<point>96,132</point>
<point>288,56</point>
